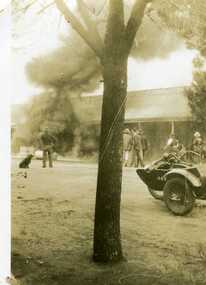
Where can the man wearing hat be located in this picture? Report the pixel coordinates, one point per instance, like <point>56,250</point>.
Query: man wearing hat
<point>197,143</point>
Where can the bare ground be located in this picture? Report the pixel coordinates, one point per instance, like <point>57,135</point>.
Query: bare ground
<point>52,229</point>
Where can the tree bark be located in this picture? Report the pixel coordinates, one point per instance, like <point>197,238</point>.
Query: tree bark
<point>134,22</point>
<point>107,239</point>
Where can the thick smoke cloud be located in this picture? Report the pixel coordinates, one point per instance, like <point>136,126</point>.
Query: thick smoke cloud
<point>73,65</point>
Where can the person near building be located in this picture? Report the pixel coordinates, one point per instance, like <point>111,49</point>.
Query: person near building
<point>47,143</point>
<point>197,145</point>
<point>138,149</point>
<point>144,142</point>
<point>127,145</point>
<point>133,131</point>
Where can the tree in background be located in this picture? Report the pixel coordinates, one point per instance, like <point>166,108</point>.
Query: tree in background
<point>197,95</point>
<point>188,19</point>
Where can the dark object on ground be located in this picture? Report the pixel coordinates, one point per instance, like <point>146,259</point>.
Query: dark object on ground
<point>26,161</point>
<point>175,181</point>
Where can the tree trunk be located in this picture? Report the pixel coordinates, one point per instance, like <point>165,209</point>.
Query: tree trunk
<point>107,240</point>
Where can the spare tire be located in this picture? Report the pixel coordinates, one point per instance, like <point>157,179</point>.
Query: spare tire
<point>178,196</point>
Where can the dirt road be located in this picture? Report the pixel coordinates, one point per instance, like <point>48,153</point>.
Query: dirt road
<point>52,228</point>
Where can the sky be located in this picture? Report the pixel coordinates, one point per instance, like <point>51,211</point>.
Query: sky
<point>175,70</point>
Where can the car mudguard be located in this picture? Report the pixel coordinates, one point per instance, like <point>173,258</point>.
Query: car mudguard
<point>195,181</point>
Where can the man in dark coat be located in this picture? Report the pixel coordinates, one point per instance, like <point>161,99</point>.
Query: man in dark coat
<point>47,142</point>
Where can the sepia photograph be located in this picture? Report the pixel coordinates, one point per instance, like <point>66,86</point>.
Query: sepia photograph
<point>107,142</point>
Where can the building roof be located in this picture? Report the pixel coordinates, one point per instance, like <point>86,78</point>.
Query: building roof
<point>166,104</point>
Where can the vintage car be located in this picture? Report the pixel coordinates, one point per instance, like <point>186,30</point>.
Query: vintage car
<point>177,182</point>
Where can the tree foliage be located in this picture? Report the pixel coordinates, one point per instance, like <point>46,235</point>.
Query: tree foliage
<point>187,18</point>
<point>197,100</point>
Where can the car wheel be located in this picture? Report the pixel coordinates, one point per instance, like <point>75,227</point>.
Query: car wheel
<point>178,196</point>
<point>158,195</point>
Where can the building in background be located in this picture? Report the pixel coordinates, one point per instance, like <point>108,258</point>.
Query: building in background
<point>158,111</point>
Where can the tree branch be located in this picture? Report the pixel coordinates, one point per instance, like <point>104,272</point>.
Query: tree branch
<point>90,24</point>
<point>26,7</point>
<point>134,22</point>
<point>45,8</point>
<point>115,28</point>
<point>78,27</point>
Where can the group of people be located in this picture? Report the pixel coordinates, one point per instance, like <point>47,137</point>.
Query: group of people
<point>135,145</point>
<point>197,147</point>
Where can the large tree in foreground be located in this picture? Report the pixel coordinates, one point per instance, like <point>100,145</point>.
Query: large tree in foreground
<point>113,55</point>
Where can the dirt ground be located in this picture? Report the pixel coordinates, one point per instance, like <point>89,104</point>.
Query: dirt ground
<point>52,229</point>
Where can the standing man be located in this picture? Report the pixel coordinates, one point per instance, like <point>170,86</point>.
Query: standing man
<point>197,146</point>
<point>47,142</point>
<point>137,142</point>
<point>127,145</point>
<point>133,132</point>
<point>144,143</point>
